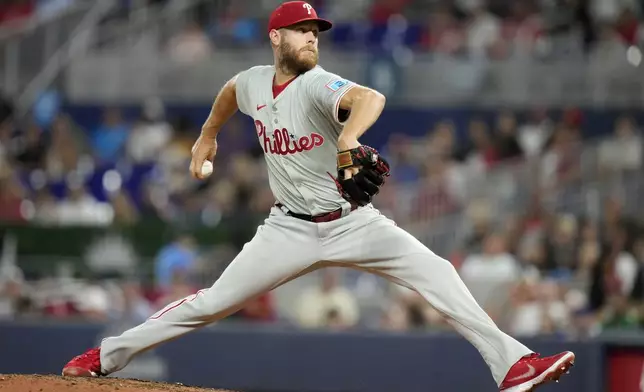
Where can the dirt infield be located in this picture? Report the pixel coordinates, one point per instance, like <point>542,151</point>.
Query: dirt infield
<point>38,383</point>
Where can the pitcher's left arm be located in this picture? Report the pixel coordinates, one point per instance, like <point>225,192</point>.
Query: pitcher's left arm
<point>361,169</point>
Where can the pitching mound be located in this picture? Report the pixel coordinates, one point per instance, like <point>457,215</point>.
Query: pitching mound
<point>37,383</point>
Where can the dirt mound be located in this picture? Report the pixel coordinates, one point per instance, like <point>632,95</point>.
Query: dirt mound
<point>38,383</point>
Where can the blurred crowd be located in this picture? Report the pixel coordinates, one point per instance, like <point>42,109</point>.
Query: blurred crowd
<point>544,227</point>
<point>493,28</point>
<point>63,175</point>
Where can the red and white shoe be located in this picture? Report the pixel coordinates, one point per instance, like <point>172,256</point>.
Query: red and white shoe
<point>87,364</point>
<point>532,371</point>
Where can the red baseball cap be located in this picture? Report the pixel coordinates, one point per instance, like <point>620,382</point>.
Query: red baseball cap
<point>292,12</point>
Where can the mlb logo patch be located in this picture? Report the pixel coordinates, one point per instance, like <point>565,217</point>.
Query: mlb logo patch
<point>336,85</point>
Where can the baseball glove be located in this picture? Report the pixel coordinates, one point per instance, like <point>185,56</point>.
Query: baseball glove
<point>366,183</point>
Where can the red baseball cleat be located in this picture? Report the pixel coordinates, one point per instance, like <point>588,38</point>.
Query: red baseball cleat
<point>85,365</point>
<point>532,371</point>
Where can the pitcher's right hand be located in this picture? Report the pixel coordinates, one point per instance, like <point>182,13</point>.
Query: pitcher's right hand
<point>204,149</point>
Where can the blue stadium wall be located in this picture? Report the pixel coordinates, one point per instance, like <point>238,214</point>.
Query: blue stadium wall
<point>263,360</point>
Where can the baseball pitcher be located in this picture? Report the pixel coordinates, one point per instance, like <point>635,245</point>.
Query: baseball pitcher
<point>309,121</point>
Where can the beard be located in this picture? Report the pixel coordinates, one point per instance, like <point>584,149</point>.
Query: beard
<point>297,61</point>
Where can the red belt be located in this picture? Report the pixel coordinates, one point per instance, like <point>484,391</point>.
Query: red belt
<point>326,217</point>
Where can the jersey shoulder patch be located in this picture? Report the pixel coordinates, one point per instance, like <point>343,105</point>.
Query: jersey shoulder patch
<point>336,84</point>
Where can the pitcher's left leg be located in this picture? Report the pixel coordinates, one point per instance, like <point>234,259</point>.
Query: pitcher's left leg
<point>370,241</point>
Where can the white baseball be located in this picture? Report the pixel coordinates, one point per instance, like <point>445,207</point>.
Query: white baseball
<point>206,168</point>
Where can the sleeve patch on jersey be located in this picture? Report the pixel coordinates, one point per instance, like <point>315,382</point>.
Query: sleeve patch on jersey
<point>336,85</point>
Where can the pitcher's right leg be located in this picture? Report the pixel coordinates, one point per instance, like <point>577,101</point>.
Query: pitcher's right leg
<point>369,241</point>
<point>282,249</point>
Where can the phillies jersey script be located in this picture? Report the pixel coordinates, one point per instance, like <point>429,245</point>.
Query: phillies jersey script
<point>298,130</point>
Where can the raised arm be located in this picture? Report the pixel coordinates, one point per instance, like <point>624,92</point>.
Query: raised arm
<point>365,106</point>
<point>224,107</point>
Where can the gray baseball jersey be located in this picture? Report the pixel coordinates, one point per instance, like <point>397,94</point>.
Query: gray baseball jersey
<point>298,131</point>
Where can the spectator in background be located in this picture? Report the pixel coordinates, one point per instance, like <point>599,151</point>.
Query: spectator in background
<point>179,288</point>
<point>125,213</point>
<point>68,149</point>
<point>344,11</point>
<point>560,164</point>
<point>177,258</point>
<point>534,133</point>
<point>80,207</point>
<point>382,10</point>
<point>622,153</point>
<point>31,147</point>
<point>539,309</point>
<point>440,190</point>
<point>637,294</point>
<point>110,137</point>
<point>135,307</point>
<point>190,45</point>
<point>523,27</point>
<point>12,289</point>
<point>478,151</point>
<point>155,202</point>
<point>562,19</point>
<point>235,26</point>
<point>614,276</point>
<point>588,253</point>
<point>93,302</point>
<point>608,52</point>
<point>175,157</point>
<point>409,311</point>
<point>443,33</point>
<point>12,194</point>
<point>151,134</point>
<point>45,205</point>
<point>483,28</point>
<point>619,314</point>
<point>506,143</point>
<point>562,246</point>
<point>6,143</point>
<point>111,253</point>
<point>404,168</point>
<point>328,304</point>
<point>258,310</point>
<point>629,27</point>
<point>479,215</point>
<point>490,274</point>
<point>441,141</point>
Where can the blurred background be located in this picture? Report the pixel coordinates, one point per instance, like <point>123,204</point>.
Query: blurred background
<point>513,128</point>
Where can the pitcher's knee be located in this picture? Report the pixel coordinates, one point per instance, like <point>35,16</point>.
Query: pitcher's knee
<point>218,304</point>
<point>429,271</point>
<point>434,263</point>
